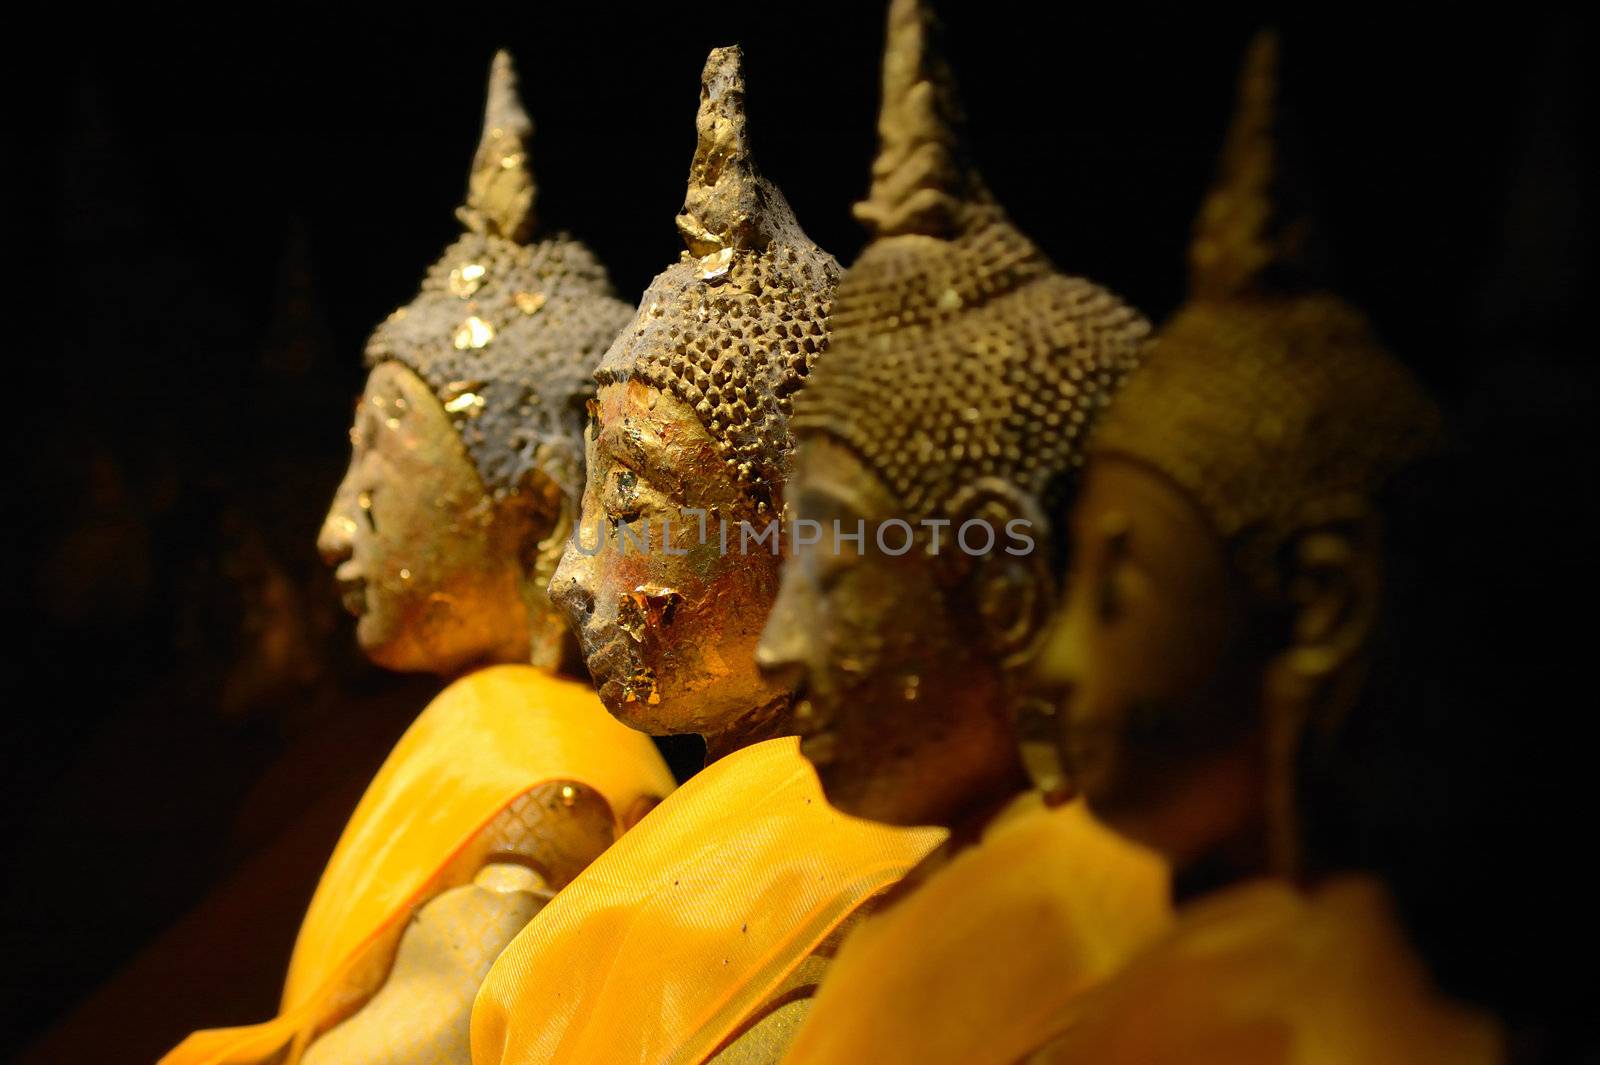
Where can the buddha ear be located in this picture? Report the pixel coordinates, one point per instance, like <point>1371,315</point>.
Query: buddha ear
<point>544,511</point>
<point>1333,590</point>
<point>1332,594</point>
<point>1001,534</point>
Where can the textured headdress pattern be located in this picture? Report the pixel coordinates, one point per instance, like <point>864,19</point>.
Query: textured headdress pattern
<point>507,329</point>
<point>733,328</point>
<point>959,353</point>
<point>1266,399</point>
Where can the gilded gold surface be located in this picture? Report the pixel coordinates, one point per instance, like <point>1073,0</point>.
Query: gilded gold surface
<point>467,448</point>
<point>501,190</point>
<point>692,415</point>
<point>429,566</point>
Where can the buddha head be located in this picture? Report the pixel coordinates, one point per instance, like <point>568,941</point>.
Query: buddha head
<point>1227,560</point>
<point>467,444</point>
<point>689,451</point>
<point>951,410</point>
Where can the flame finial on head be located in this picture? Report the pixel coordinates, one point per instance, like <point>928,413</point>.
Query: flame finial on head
<point>921,182</point>
<point>1242,232</point>
<point>728,203</point>
<point>501,189</point>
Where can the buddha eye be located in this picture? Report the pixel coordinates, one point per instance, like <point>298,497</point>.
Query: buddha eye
<point>364,501</point>
<point>1108,590</point>
<point>621,500</point>
<point>828,568</point>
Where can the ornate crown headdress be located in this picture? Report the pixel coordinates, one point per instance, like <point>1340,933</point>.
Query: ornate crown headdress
<point>1267,400</point>
<point>959,353</point>
<point>507,329</point>
<point>732,329</point>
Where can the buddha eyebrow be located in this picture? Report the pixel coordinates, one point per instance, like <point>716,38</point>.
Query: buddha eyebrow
<point>827,506</point>
<point>619,442</point>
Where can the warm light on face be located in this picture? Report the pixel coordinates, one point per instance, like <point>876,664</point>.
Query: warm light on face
<point>668,629</point>
<point>420,557</point>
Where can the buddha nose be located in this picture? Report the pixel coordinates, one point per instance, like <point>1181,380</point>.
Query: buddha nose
<point>785,642</point>
<point>572,588</point>
<point>336,538</point>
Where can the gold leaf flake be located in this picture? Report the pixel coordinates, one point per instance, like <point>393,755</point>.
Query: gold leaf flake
<point>464,280</point>
<point>474,333</point>
<point>716,264</point>
<point>470,402</point>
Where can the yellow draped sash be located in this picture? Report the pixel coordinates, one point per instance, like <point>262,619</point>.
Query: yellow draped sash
<point>1263,974</point>
<point>659,950</point>
<point>483,742</point>
<point>975,964</point>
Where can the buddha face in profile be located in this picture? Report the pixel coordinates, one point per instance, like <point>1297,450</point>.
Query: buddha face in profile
<point>675,566</point>
<point>466,456</point>
<point>1227,550</point>
<point>1157,663</point>
<point>435,569</point>
<point>924,570</point>
<point>668,619</point>
<point>902,647</point>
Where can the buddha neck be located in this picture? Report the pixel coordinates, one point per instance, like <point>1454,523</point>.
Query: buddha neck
<point>1211,825</point>
<point>765,722</point>
<point>551,645</point>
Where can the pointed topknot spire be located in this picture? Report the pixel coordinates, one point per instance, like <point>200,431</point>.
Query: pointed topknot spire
<point>501,189</point>
<point>1242,232</point>
<point>728,203</point>
<point>920,181</point>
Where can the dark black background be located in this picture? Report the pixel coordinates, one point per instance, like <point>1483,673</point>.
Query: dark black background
<point>218,205</point>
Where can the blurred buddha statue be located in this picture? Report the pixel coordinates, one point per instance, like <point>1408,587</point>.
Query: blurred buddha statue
<point>1227,597</point>
<point>949,415</point>
<point>701,935</point>
<point>462,487</point>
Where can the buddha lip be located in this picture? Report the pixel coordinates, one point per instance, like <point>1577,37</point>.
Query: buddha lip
<point>353,593</point>
<point>603,661</point>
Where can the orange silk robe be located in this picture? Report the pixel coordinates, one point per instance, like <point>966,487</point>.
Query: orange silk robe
<point>659,950</point>
<point>975,964</point>
<point>486,740</point>
<point>1263,974</point>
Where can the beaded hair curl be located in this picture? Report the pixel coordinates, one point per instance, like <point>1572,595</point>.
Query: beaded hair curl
<point>507,329</point>
<point>959,353</point>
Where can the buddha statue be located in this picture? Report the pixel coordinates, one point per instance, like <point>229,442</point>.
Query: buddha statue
<point>951,411</point>
<point>700,936</point>
<point>1228,589</point>
<point>463,481</point>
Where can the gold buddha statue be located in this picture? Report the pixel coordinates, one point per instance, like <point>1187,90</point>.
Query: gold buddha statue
<point>964,374</point>
<point>1227,589</point>
<point>701,935</point>
<point>463,481</point>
